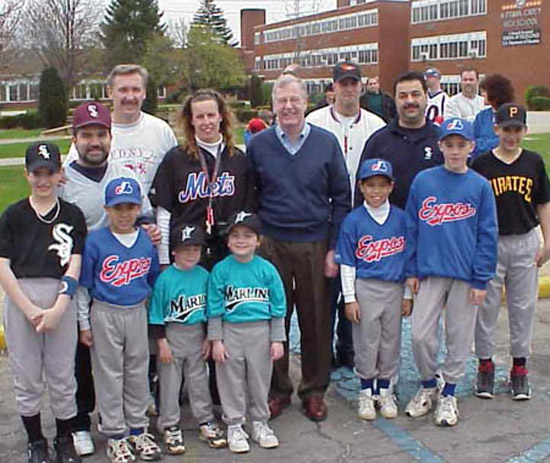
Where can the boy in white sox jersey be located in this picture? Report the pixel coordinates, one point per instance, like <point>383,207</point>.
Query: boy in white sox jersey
<point>41,239</point>
<point>119,268</point>
<point>177,317</point>
<point>246,310</point>
<point>451,255</point>
<point>522,191</point>
<point>371,254</point>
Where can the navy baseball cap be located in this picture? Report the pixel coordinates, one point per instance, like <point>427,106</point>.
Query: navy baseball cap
<point>43,154</point>
<point>91,113</point>
<point>457,126</point>
<point>510,115</point>
<point>245,219</point>
<point>187,235</point>
<point>122,190</point>
<point>372,167</point>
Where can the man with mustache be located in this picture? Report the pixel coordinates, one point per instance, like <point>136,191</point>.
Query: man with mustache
<point>409,141</point>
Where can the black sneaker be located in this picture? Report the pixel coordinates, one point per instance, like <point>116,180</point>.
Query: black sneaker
<point>64,450</point>
<point>485,384</point>
<point>519,383</point>
<point>37,452</point>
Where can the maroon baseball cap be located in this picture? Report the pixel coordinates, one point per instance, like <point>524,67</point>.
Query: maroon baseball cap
<point>91,113</point>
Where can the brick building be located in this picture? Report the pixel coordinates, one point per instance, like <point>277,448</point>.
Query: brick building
<point>387,37</point>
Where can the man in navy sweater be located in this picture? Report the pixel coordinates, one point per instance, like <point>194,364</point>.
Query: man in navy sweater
<point>409,141</point>
<point>304,194</point>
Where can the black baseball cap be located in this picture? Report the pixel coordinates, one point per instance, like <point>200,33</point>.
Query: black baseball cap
<point>345,69</point>
<point>245,219</point>
<point>511,115</point>
<point>187,235</point>
<point>42,154</point>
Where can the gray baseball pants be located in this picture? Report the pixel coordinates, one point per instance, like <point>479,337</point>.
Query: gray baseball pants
<point>40,359</point>
<point>186,344</point>
<point>120,362</point>
<point>377,337</point>
<point>246,374</point>
<point>434,295</point>
<point>517,271</point>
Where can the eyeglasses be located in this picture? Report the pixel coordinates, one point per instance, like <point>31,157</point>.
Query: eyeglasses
<point>293,100</point>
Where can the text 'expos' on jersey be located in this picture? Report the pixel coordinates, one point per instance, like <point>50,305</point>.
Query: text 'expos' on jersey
<point>197,187</point>
<point>436,214</point>
<point>122,273</point>
<point>374,251</point>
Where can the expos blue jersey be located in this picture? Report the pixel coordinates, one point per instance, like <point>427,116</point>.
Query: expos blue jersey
<point>451,227</point>
<point>376,250</point>
<point>116,274</point>
<point>179,296</point>
<point>245,292</point>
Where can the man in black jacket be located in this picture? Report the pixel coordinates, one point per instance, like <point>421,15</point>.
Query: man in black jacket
<point>376,101</point>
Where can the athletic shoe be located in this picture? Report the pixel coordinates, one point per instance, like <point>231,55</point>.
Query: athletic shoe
<point>118,451</point>
<point>237,439</point>
<point>365,405</point>
<point>145,446</point>
<point>83,443</point>
<point>519,383</point>
<point>422,402</point>
<point>485,384</point>
<point>264,435</point>
<point>387,403</point>
<point>37,452</point>
<point>64,450</point>
<point>173,441</point>
<point>446,412</point>
<point>213,435</point>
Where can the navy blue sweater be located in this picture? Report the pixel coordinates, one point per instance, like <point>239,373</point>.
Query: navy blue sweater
<point>409,150</point>
<point>303,197</point>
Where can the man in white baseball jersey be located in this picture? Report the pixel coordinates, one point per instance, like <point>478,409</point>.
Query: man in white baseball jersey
<point>437,98</point>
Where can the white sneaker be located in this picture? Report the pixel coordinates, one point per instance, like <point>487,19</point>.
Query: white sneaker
<point>174,443</point>
<point>212,434</point>
<point>264,435</point>
<point>422,402</point>
<point>237,439</point>
<point>387,403</point>
<point>365,405</point>
<point>145,446</point>
<point>83,443</point>
<point>446,412</point>
<point>118,451</point>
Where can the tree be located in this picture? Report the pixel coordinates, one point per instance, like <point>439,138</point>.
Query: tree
<point>52,100</point>
<point>208,63</point>
<point>162,60</point>
<point>210,16</point>
<point>151,103</point>
<point>256,93</point>
<point>60,31</point>
<point>11,12</point>
<point>127,27</point>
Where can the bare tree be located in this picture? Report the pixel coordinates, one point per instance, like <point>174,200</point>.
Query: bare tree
<point>60,31</point>
<point>11,12</point>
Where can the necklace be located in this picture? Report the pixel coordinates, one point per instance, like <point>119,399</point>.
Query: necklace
<point>41,218</point>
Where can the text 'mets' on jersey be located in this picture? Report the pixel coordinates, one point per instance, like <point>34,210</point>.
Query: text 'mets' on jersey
<point>518,187</point>
<point>35,248</point>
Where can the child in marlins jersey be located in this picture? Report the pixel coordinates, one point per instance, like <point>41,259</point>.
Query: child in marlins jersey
<point>522,192</point>
<point>119,268</point>
<point>451,255</point>
<point>41,240</point>
<point>371,251</point>
<point>177,317</point>
<point>246,310</point>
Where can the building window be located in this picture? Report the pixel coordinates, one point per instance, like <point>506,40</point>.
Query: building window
<point>437,10</point>
<point>468,45</point>
<point>161,91</point>
<point>257,38</point>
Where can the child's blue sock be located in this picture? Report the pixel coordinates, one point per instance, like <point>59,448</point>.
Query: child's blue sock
<point>367,384</point>
<point>429,384</point>
<point>136,431</point>
<point>448,389</point>
<point>382,384</point>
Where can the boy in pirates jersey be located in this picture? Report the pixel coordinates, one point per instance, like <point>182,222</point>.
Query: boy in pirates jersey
<point>371,254</point>
<point>41,239</point>
<point>119,268</point>
<point>246,310</point>
<point>451,255</point>
<point>177,316</point>
<point>522,191</point>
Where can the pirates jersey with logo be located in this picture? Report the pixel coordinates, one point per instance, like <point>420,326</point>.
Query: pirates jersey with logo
<point>451,227</point>
<point>376,251</point>
<point>245,292</point>
<point>179,296</point>
<point>36,248</point>
<point>116,274</point>
<point>181,187</point>
<point>519,187</point>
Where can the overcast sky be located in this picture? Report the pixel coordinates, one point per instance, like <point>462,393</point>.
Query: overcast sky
<point>276,10</point>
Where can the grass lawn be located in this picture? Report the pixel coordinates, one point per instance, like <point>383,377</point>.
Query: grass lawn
<point>238,133</point>
<point>17,150</point>
<point>20,133</point>
<point>13,185</point>
<point>539,142</point>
